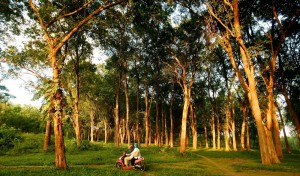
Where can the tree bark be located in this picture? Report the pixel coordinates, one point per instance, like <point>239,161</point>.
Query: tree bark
<point>116,110</point>
<point>193,121</point>
<point>244,109</point>
<point>92,125</point>
<point>127,102</point>
<point>146,115</point>
<point>171,121</point>
<point>287,146</point>
<point>187,94</point>
<point>47,135</point>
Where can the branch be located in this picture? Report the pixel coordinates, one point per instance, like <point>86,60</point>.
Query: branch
<point>218,19</point>
<point>228,3</point>
<point>35,10</point>
<point>84,21</point>
<point>68,14</point>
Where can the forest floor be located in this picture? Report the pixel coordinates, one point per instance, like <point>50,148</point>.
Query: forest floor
<point>160,161</point>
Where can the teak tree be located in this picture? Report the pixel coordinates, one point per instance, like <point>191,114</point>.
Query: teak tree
<point>56,40</point>
<point>225,33</point>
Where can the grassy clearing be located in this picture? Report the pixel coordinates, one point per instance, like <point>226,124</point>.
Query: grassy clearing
<point>99,159</point>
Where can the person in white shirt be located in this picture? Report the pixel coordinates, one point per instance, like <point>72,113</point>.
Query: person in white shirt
<point>135,153</point>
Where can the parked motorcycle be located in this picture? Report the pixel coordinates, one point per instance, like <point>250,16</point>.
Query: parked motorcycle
<point>136,164</point>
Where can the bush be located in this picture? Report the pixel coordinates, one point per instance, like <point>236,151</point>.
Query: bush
<point>8,137</point>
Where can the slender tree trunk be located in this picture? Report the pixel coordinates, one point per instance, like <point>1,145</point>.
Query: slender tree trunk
<point>213,128</point>
<point>293,112</point>
<point>76,108</point>
<point>157,135</point>
<point>227,146</point>
<point>287,146</point>
<point>166,130</point>
<point>187,94</point>
<point>47,135</point>
<point>146,115</point>
<point>116,110</point>
<point>105,131</point>
<point>193,126</point>
<point>248,136</point>
<point>127,102</point>
<point>162,136</point>
<point>244,109</point>
<point>171,122</point>
<point>206,138</point>
<point>232,114</point>
<point>137,122</point>
<point>92,125</point>
<point>219,132</point>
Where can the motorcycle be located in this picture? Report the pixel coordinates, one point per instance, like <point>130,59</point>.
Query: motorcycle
<point>135,164</point>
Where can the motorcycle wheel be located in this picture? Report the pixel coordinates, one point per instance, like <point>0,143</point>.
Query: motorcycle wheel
<point>143,167</point>
<point>118,165</point>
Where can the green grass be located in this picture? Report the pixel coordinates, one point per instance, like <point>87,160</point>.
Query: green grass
<point>99,159</point>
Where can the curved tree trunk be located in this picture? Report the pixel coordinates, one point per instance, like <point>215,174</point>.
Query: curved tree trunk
<point>116,110</point>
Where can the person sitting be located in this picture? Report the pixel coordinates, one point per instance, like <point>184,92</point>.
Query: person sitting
<point>134,154</point>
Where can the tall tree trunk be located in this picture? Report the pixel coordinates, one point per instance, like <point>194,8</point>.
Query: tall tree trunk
<point>293,112</point>
<point>171,121</point>
<point>244,109</point>
<point>186,104</point>
<point>105,131</point>
<point>248,136</point>
<point>287,146</point>
<point>232,114</point>
<point>157,135</point>
<point>162,136</point>
<point>167,142</point>
<point>116,110</point>
<point>60,158</point>
<point>76,123</point>
<point>137,122</point>
<point>127,102</point>
<point>227,114</point>
<point>193,126</point>
<point>205,134</point>
<point>47,135</point>
<point>219,132</point>
<point>213,128</point>
<point>146,115</point>
<point>92,125</point>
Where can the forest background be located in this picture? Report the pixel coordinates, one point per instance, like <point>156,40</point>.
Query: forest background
<point>221,75</point>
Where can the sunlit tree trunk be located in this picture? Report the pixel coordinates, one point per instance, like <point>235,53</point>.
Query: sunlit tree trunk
<point>157,134</point>
<point>76,123</point>
<point>293,112</point>
<point>137,122</point>
<point>47,135</point>
<point>227,114</point>
<point>213,128</point>
<point>171,121</point>
<point>92,125</point>
<point>166,129</point>
<point>193,121</point>
<point>105,131</point>
<point>162,136</point>
<point>244,109</point>
<point>287,146</point>
<point>205,134</point>
<point>127,102</point>
<point>219,132</point>
<point>186,104</point>
<point>116,110</point>
<point>146,115</point>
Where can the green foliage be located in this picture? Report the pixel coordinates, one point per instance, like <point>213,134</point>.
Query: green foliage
<point>8,136</point>
<point>26,118</point>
